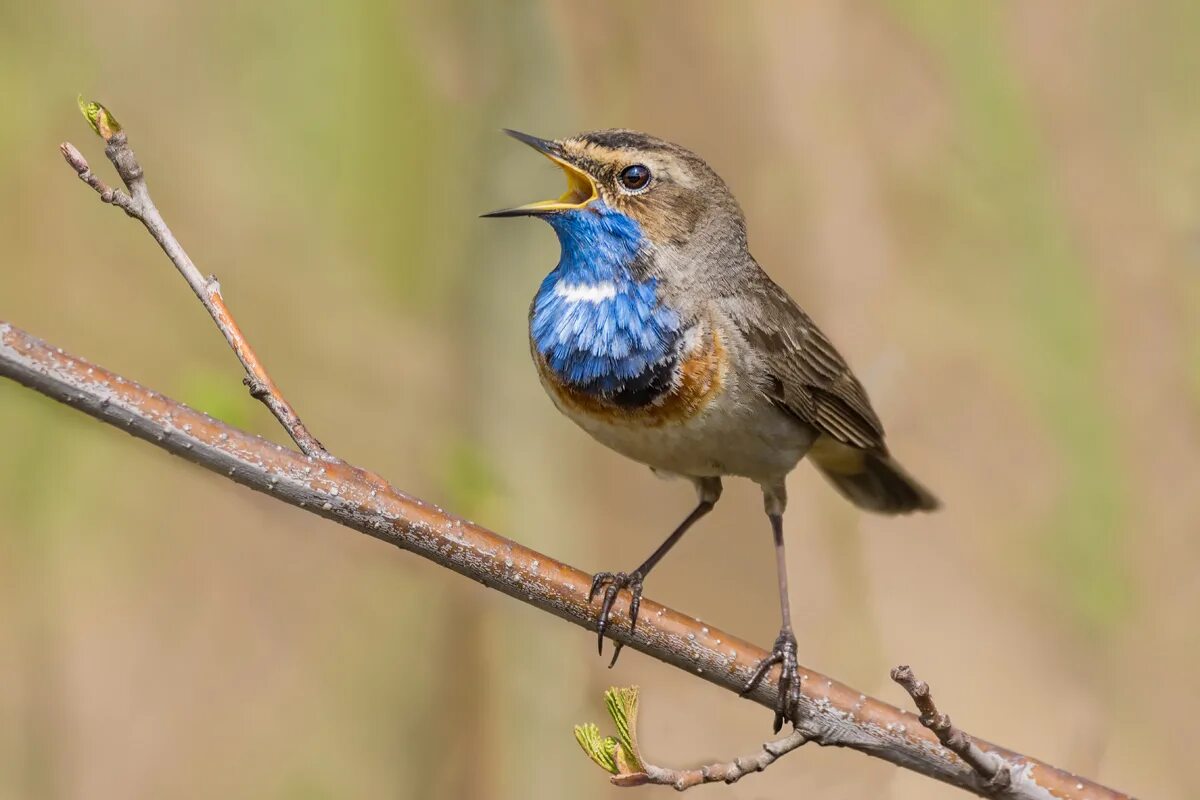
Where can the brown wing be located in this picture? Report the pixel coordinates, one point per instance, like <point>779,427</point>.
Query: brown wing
<point>806,374</point>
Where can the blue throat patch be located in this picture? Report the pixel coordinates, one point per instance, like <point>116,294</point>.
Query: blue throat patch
<point>599,328</point>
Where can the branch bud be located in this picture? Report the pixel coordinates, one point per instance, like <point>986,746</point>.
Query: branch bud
<point>100,118</point>
<point>73,157</point>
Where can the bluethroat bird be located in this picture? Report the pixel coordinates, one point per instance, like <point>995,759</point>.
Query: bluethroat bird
<point>659,334</point>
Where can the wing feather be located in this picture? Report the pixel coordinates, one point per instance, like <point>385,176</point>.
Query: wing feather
<point>806,374</point>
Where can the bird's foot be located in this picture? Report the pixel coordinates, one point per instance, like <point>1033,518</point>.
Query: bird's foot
<point>612,583</point>
<point>784,654</point>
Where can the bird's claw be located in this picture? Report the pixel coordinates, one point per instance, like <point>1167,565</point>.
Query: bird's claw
<point>784,654</point>
<point>612,583</point>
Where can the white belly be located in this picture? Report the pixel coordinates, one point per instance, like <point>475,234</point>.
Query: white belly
<point>753,440</point>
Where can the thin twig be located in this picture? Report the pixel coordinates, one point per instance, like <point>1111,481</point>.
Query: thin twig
<point>721,772</point>
<point>831,713</point>
<point>995,771</point>
<point>139,205</point>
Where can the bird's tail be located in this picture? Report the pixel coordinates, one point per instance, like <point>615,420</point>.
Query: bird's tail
<point>872,481</point>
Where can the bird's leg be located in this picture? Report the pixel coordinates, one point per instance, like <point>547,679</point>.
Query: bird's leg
<point>614,582</point>
<point>709,490</point>
<point>784,651</point>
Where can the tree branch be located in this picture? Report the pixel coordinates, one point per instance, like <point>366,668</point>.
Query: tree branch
<point>996,773</point>
<point>831,713</point>
<point>722,772</point>
<point>139,205</point>
<point>622,755</point>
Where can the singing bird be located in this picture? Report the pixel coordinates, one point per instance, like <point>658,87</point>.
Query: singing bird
<point>659,335</point>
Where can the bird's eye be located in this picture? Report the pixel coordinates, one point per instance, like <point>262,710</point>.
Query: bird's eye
<point>636,177</point>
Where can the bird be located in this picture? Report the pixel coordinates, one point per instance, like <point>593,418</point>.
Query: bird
<point>659,335</point>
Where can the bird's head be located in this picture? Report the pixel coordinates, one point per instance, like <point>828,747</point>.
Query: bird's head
<point>669,193</point>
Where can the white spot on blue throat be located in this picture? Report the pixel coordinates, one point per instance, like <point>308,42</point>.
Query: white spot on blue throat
<point>586,292</point>
<point>596,320</point>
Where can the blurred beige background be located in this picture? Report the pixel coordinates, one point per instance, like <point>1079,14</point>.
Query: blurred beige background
<point>993,209</point>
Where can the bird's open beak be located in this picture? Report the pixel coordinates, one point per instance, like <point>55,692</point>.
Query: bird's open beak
<point>581,189</point>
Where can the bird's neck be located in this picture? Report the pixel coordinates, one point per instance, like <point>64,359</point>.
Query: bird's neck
<point>597,320</point>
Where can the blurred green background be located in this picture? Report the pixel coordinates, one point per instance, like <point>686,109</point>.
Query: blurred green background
<point>992,208</point>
